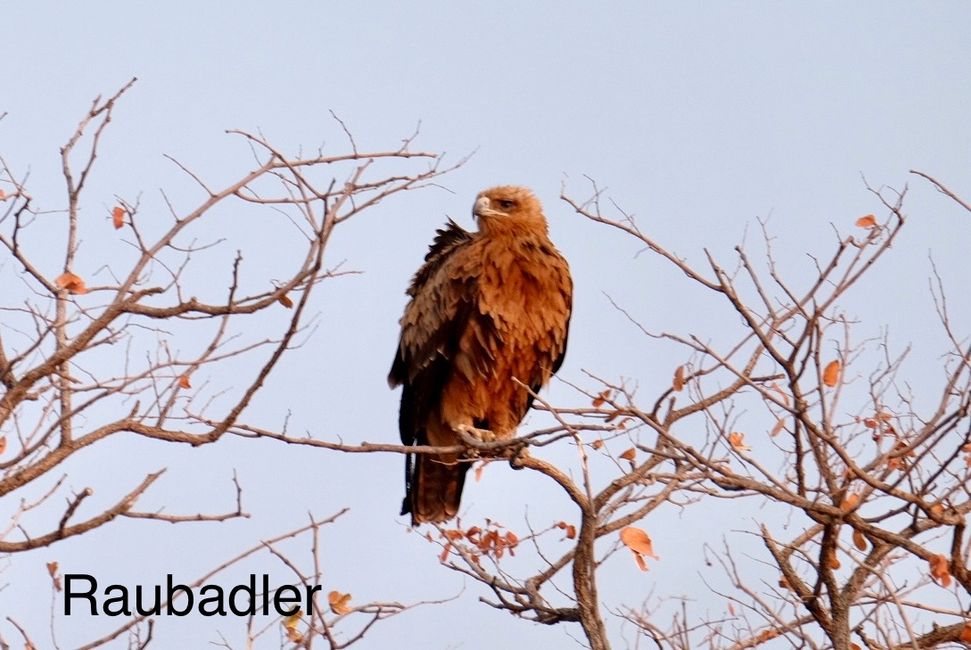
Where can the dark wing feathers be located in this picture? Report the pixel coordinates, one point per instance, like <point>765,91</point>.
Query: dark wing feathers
<point>430,340</point>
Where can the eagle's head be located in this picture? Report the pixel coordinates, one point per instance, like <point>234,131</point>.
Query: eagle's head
<point>506,205</point>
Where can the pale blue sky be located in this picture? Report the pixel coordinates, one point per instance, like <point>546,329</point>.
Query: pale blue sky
<point>698,117</point>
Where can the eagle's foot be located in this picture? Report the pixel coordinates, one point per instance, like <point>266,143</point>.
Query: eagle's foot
<point>471,435</point>
<point>517,457</point>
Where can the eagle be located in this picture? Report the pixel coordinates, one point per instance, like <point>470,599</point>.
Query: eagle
<point>485,328</point>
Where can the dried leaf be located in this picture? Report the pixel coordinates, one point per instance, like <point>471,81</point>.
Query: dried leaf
<point>784,583</point>
<point>731,608</point>
<point>937,510</point>
<point>859,540</point>
<point>639,543</point>
<point>3,444</point>
<point>737,441</point>
<point>966,633</point>
<point>285,301</point>
<point>831,375</point>
<point>832,561</point>
<point>779,426</point>
<point>569,529</point>
<point>118,217</point>
<point>56,579</point>
<point>601,397</point>
<point>940,570</point>
<point>73,283</point>
<point>290,625</point>
<point>678,383</point>
<point>479,467</point>
<point>184,381</point>
<point>3,195</point>
<point>630,454</point>
<point>766,635</point>
<point>597,444</point>
<point>339,602</point>
<point>868,221</point>
<point>855,646</point>
<point>850,501</point>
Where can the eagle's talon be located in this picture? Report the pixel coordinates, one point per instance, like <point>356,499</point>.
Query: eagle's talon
<point>471,436</point>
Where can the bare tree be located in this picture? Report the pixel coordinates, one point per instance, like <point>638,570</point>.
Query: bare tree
<point>789,412</point>
<point>875,485</point>
<point>85,360</point>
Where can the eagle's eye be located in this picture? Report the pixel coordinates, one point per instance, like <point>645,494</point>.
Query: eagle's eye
<point>505,204</point>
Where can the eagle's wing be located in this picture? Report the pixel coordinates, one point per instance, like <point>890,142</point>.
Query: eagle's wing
<point>442,308</point>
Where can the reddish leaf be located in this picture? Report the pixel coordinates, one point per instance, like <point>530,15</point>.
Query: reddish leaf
<point>285,301</point>
<point>678,383</point>
<point>630,454</point>
<point>868,221</point>
<point>597,444</point>
<point>601,397</point>
<point>859,540</point>
<point>966,633</point>
<point>73,283</point>
<point>3,444</point>
<point>779,426</point>
<point>118,217</point>
<point>339,603</point>
<point>940,570</point>
<point>569,529</point>
<point>184,382</point>
<point>737,441</point>
<point>639,543</point>
<point>831,375</point>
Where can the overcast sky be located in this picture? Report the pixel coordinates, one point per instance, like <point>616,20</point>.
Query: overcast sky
<point>699,118</point>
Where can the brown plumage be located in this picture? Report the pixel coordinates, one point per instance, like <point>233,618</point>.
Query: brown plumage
<point>486,307</point>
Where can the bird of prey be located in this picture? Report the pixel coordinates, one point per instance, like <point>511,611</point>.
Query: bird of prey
<point>488,317</point>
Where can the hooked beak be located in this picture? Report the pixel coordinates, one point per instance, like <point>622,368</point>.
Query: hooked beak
<point>481,207</point>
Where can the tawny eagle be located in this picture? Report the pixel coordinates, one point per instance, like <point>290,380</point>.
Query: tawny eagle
<point>487,308</point>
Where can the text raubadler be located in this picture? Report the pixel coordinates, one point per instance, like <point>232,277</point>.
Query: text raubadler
<point>81,595</point>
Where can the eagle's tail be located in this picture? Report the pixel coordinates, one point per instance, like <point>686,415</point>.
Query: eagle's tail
<point>434,489</point>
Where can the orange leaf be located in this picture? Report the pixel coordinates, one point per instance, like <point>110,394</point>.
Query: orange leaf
<point>285,301</point>
<point>290,624</point>
<point>3,444</point>
<point>630,454</point>
<point>52,568</point>
<point>831,375</point>
<point>784,583</point>
<point>868,221</point>
<point>71,282</point>
<point>118,217</point>
<point>850,501</point>
<point>859,540</point>
<point>678,383</point>
<point>832,561</point>
<point>937,510</point>
<point>940,570</point>
<point>184,382</point>
<point>639,543</point>
<point>855,646</point>
<point>3,195</point>
<point>601,397</point>
<point>731,608</point>
<point>597,444</point>
<point>766,635</point>
<point>339,602</point>
<point>966,632</point>
<point>478,470</point>
<point>737,441</point>
<point>569,529</point>
<point>779,426</point>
